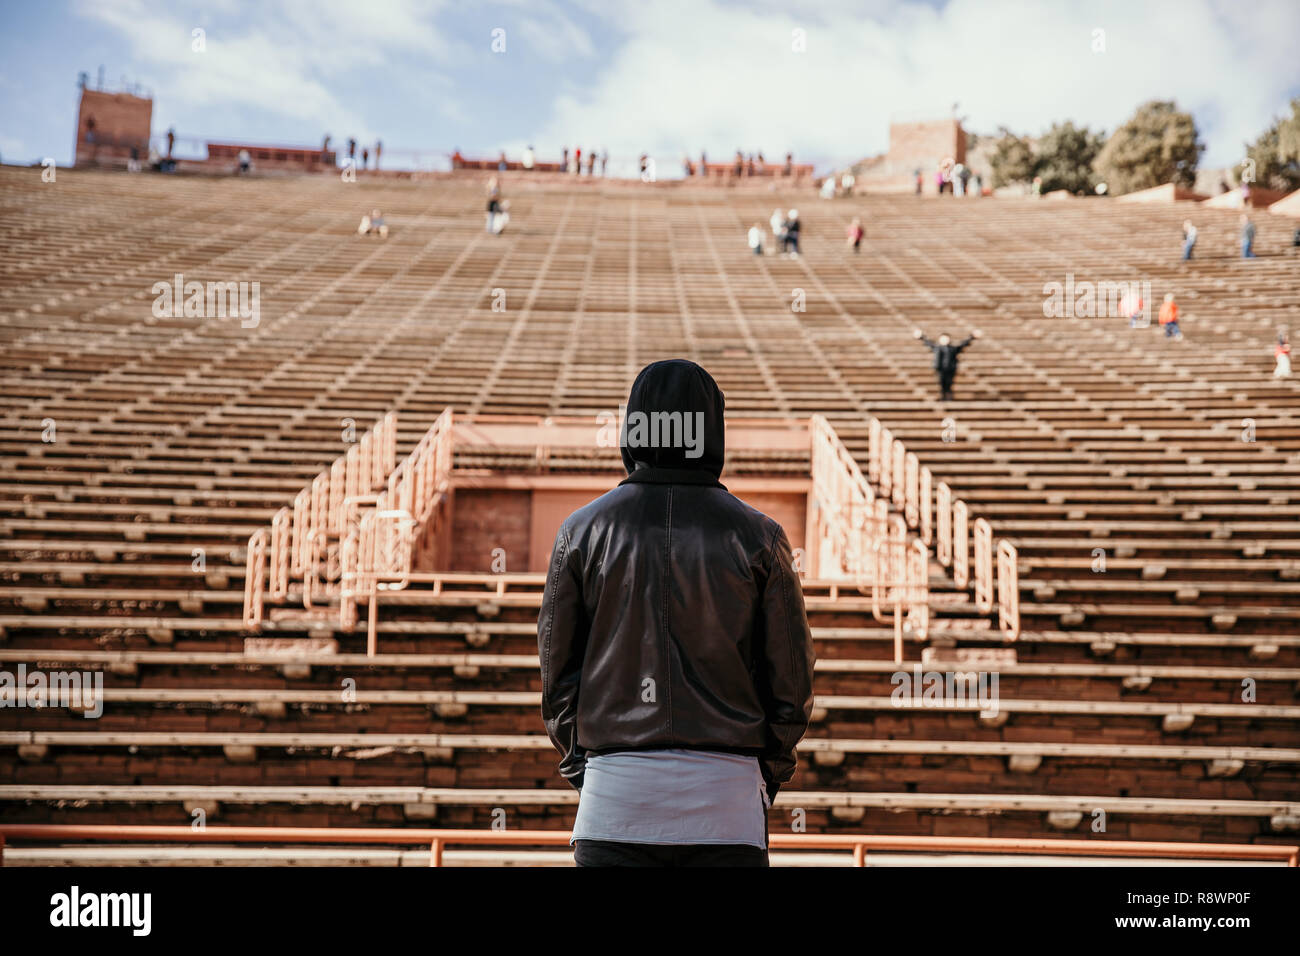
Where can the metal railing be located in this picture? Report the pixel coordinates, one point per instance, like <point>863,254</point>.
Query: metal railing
<point>359,528</point>
<point>390,539</point>
<point>438,840</point>
<point>945,522</point>
<point>860,540</point>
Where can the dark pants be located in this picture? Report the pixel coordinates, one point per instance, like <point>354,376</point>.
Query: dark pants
<point>607,853</point>
<point>945,383</point>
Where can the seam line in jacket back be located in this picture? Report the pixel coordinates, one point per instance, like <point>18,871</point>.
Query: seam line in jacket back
<point>668,557</point>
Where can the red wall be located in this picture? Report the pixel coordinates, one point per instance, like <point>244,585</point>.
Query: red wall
<point>122,121</point>
<point>524,521</point>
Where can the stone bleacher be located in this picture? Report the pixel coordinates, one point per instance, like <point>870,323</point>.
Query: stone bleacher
<point>1079,439</point>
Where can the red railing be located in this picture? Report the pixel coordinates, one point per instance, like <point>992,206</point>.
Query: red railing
<point>439,840</point>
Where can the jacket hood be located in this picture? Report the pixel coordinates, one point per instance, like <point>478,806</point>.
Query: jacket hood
<point>674,420</point>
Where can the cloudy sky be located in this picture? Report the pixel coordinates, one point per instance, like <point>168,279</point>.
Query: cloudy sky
<point>822,78</point>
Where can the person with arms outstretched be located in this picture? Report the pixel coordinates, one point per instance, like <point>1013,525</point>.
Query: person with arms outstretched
<point>945,358</point>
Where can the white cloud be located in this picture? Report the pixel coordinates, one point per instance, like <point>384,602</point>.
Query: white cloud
<point>676,76</point>
<point>722,76</point>
<point>286,62</point>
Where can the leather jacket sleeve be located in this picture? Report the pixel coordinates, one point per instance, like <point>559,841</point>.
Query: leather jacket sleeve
<point>561,644</point>
<point>784,664</point>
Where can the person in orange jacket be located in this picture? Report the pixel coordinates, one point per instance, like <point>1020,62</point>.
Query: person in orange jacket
<point>1169,317</point>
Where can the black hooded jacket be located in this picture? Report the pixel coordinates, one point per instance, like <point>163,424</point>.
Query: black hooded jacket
<point>672,616</point>
<point>945,356</point>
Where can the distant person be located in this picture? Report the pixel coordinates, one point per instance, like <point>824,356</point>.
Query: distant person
<point>644,162</point>
<point>379,148</point>
<point>604,159</point>
<point>792,233</point>
<point>1189,239</point>
<point>365,157</point>
<point>963,178</point>
<point>529,157</point>
<point>777,222</point>
<point>352,150</point>
<point>171,141</point>
<point>591,163</point>
<point>577,161</point>
<point>1295,238</point>
<point>738,169</point>
<point>919,180</point>
<point>1282,356</point>
<point>493,204</point>
<point>945,358</point>
<point>847,182</point>
<point>502,163</point>
<point>245,161</point>
<point>704,164</point>
<point>828,187</point>
<point>955,176</point>
<point>373,225</point>
<point>945,176</point>
<point>855,233</point>
<point>1169,318</point>
<point>325,144</point>
<point>1038,186</point>
<point>1133,307</point>
<point>979,184</point>
<point>788,169</point>
<point>756,235</point>
<point>1247,237</point>
<point>749,165</point>
<point>564,160</point>
<point>688,168</point>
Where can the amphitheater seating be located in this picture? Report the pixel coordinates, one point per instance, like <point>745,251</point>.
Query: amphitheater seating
<point>138,454</point>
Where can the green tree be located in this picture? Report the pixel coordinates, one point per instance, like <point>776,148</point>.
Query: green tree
<point>1065,156</point>
<point>1012,160</point>
<point>1157,145</point>
<point>1276,153</point>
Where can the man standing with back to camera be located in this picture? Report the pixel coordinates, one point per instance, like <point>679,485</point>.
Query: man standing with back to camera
<point>675,652</point>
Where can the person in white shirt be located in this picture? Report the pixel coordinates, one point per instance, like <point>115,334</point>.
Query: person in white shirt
<point>529,159</point>
<point>756,235</point>
<point>777,222</point>
<point>1189,239</point>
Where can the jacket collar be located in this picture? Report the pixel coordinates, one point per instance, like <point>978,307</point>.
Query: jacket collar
<point>672,476</point>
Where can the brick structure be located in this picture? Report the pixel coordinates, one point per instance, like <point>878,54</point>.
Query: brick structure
<point>302,159</point>
<point>112,128</point>
<point>912,146</point>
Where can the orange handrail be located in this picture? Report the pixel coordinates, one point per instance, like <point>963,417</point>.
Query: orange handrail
<point>438,840</point>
